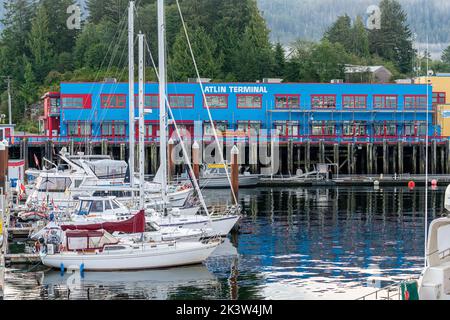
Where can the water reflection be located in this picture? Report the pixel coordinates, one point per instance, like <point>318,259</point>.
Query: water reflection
<point>294,243</point>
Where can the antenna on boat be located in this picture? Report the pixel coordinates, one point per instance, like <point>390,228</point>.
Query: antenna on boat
<point>141,120</point>
<point>131,93</point>
<point>426,154</point>
<point>162,97</point>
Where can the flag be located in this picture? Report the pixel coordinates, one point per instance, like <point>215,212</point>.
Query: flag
<point>36,161</point>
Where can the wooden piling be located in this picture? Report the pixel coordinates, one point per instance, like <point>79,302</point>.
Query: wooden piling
<point>154,157</point>
<point>349,158</point>
<point>196,160</point>
<point>253,155</point>
<point>400,158</point>
<point>104,147</point>
<point>385,157</point>
<point>375,159</point>
<point>369,155</point>
<point>394,159</point>
<point>422,149</point>
<point>290,156</point>
<point>122,151</point>
<point>3,165</point>
<point>72,147</point>
<point>433,156</point>
<point>308,156</point>
<point>336,156</point>
<point>234,174</point>
<point>170,162</point>
<point>414,159</point>
<point>321,151</point>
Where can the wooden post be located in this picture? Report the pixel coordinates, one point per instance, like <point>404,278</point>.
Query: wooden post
<point>25,157</point>
<point>234,174</point>
<point>394,159</point>
<point>400,158</point>
<point>385,157</point>
<point>375,159</point>
<point>3,165</point>
<point>170,163</point>
<point>321,151</point>
<point>71,147</point>
<point>122,151</point>
<point>290,157</point>
<point>104,147</point>
<point>349,158</point>
<point>369,159</point>
<point>308,156</point>
<point>196,160</point>
<point>414,159</point>
<point>433,156</point>
<point>422,149</point>
<point>336,156</point>
<point>253,154</point>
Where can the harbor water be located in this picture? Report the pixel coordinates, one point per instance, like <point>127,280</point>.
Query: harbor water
<point>293,243</point>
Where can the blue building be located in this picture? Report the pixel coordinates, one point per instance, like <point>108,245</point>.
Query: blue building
<point>299,111</point>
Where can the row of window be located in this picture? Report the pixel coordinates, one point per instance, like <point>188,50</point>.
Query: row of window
<point>323,101</point>
<point>285,128</point>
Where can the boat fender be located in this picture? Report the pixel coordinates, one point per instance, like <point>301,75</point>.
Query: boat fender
<point>82,271</point>
<point>61,268</point>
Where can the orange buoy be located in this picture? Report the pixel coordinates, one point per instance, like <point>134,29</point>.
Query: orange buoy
<point>411,184</point>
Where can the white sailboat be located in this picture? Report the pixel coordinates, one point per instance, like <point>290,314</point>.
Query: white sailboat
<point>97,249</point>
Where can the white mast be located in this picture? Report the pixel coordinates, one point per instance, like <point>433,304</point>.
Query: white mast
<point>162,97</point>
<point>141,120</point>
<point>131,92</point>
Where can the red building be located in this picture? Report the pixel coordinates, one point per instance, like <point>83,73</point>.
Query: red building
<point>50,120</point>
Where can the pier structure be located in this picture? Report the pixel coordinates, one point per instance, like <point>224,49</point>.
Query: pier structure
<point>363,128</point>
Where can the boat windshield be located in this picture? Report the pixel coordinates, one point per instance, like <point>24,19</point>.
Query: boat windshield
<point>84,208</point>
<point>54,184</point>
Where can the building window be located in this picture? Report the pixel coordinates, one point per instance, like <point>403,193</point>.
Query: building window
<point>415,129</point>
<point>249,127</point>
<point>324,101</point>
<point>354,128</point>
<point>221,128</point>
<point>439,98</point>
<point>385,129</point>
<point>181,101</point>
<point>416,102</point>
<point>323,128</point>
<point>79,128</point>
<point>151,101</point>
<point>354,101</point>
<point>287,101</point>
<point>287,129</point>
<point>247,101</point>
<point>54,105</point>
<point>76,101</point>
<point>217,101</point>
<point>385,102</point>
<point>114,100</point>
<point>113,129</point>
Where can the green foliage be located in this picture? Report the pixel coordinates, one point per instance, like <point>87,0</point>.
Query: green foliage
<point>393,41</point>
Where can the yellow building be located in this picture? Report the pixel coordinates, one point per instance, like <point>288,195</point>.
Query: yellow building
<point>441,100</point>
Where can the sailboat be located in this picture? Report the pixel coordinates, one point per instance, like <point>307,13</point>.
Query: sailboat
<point>93,247</point>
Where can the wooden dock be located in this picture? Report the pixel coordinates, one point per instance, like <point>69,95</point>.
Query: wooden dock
<point>22,258</point>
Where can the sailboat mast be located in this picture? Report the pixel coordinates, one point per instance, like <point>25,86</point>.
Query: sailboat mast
<point>141,120</point>
<point>131,92</point>
<point>162,97</point>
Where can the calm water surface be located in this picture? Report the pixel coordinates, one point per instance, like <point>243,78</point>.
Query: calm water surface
<point>294,243</point>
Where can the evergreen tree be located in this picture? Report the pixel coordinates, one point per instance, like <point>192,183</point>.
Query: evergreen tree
<point>446,56</point>
<point>328,60</point>
<point>39,44</point>
<point>393,41</point>
<point>181,66</point>
<point>359,39</point>
<point>339,32</point>
<point>254,58</point>
<point>60,35</point>
<point>280,60</point>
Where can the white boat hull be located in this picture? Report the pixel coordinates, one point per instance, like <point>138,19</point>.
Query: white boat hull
<point>162,256</point>
<point>220,225</point>
<point>222,181</point>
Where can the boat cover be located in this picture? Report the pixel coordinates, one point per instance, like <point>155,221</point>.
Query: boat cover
<point>135,224</point>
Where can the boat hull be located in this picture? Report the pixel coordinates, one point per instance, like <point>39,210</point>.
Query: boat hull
<point>178,254</point>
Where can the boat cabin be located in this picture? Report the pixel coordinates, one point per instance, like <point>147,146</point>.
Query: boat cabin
<point>84,240</point>
<point>101,206</point>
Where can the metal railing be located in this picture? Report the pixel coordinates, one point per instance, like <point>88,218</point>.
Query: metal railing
<point>391,292</point>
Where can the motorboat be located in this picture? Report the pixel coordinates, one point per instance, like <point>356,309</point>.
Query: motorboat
<point>215,176</point>
<point>434,281</point>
